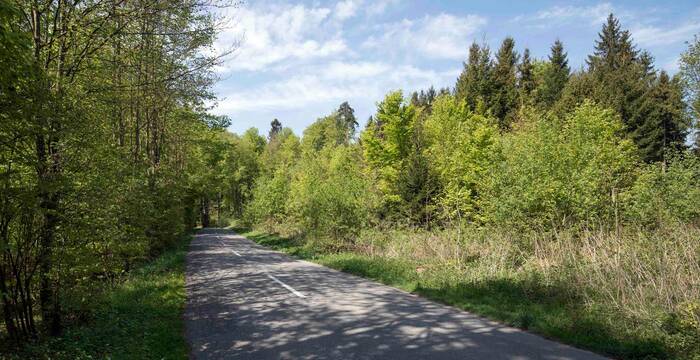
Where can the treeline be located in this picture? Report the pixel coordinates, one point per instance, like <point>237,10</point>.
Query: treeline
<point>579,184</point>
<point>102,118</point>
<point>518,141</point>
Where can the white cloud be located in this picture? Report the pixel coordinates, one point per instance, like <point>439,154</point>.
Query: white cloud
<point>558,15</point>
<point>346,9</point>
<point>378,7</point>
<point>653,35</point>
<point>441,36</point>
<point>269,36</point>
<point>333,83</point>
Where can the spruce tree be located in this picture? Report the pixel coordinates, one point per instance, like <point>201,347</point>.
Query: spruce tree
<point>555,77</point>
<point>275,127</point>
<point>504,100</point>
<point>526,81</point>
<point>473,84</point>
<point>345,116</point>
<point>619,73</point>
<point>663,128</point>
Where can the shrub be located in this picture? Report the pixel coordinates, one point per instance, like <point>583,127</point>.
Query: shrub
<point>665,193</point>
<point>561,171</point>
<point>330,197</point>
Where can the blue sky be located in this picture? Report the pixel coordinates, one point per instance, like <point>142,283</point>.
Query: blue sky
<point>297,61</point>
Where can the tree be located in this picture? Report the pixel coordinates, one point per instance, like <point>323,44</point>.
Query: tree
<point>690,74</point>
<point>663,126</point>
<point>620,79</point>
<point>555,77</point>
<point>526,79</point>
<point>386,144</point>
<point>560,171</point>
<point>346,119</point>
<point>275,127</point>
<point>461,148</point>
<point>474,83</point>
<point>504,99</point>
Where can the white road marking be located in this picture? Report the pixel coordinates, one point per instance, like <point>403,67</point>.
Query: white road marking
<point>286,286</point>
<point>224,245</point>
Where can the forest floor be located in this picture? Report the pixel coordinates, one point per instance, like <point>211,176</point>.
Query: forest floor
<point>139,317</point>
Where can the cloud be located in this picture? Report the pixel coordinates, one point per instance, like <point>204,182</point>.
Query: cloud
<point>333,83</point>
<point>654,35</point>
<point>379,6</point>
<point>559,15</point>
<point>346,9</point>
<point>441,36</point>
<point>270,36</point>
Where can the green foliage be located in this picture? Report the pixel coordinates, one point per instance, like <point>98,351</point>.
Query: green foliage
<point>661,128</point>
<point>554,77</point>
<point>330,196</point>
<point>140,316</point>
<point>474,84</point>
<point>504,98</point>
<point>560,172</point>
<point>665,194</point>
<point>463,147</point>
<point>387,144</point>
<point>690,74</point>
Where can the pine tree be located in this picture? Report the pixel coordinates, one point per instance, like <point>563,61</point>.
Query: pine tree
<point>346,119</point>
<point>526,81</point>
<point>619,73</point>
<point>504,100</point>
<point>275,127</point>
<point>613,49</point>
<point>555,77</point>
<point>473,84</point>
<point>663,127</point>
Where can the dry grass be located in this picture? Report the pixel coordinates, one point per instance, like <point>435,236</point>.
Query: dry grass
<point>646,281</point>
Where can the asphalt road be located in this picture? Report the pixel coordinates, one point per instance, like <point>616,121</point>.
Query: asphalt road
<point>248,302</point>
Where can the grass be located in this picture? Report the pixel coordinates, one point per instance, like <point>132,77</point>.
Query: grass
<point>139,318</point>
<point>527,298</point>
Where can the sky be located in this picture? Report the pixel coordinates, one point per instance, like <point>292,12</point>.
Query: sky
<point>298,60</point>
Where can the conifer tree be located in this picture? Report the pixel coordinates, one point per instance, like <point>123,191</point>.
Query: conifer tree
<point>526,80</point>
<point>275,127</point>
<point>619,75</point>
<point>346,119</point>
<point>473,84</point>
<point>504,100</point>
<point>555,77</point>
<point>663,126</point>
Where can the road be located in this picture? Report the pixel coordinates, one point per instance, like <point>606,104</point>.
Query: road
<point>248,302</point>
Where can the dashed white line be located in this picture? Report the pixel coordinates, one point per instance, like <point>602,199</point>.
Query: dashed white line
<point>286,286</point>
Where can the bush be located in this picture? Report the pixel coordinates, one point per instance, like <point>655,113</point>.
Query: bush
<point>665,194</point>
<point>561,171</point>
<point>330,197</point>
<point>462,147</point>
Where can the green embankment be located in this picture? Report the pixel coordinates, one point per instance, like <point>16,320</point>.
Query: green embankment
<point>140,317</point>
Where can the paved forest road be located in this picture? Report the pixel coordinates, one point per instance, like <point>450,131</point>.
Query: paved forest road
<point>248,302</point>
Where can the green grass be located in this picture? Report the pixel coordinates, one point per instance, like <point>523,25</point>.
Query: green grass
<point>551,311</point>
<point>139,318</point>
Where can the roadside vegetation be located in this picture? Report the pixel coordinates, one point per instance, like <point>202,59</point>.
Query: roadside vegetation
<point>103,127</point>
<point>136,316</point>
<point>561,202</point>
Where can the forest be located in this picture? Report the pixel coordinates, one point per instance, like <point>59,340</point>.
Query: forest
<point>577,187</point>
